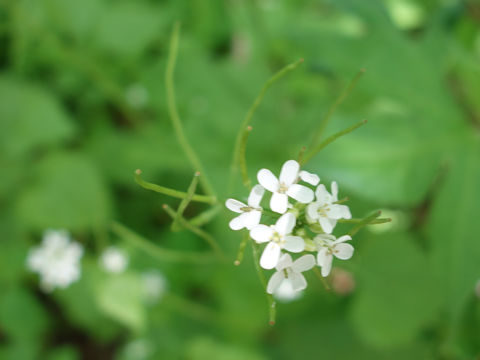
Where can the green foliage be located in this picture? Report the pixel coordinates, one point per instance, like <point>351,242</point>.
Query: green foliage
<point>83,104</point>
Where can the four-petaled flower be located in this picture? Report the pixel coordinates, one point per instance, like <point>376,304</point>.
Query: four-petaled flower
<point>249,214</point>
<point>278,238</point>
<point>325,211</point>
<point>329,246</point>
<point>286,186</point>
<point>291,270</point>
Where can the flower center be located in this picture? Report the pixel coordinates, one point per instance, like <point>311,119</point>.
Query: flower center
<point>322,211</point>
<point>277,239</point>
<point>282,188</point>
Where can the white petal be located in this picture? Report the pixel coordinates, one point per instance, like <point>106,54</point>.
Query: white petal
<point>336,211</point>
<point>334,188</point>
<point>312,210</point>
<point>261,233</point>
<point>237,223</point>
<point>266,178</point>
<point>285,224</point>
<point>251,218</point>
<point>300,193</point>
<point>289,172</point>
<point>327,224</point>
<point>323,196</point>
<point>275,281</point>
<point>256,195</point>
<point>325,238</point>
<point>327,266</point>
<point>342,239</point>
<point>294,243</point>
<point>298,281</point>
<point>279,203</point>
<point>343,251</point>
<point>234,205</point>
<point>303,263</point>
<point>322,256</point>
<point>284,262</point>
<point>310,178</point>
<point>270,256</point>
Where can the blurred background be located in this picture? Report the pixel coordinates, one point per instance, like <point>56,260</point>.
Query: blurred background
<point>83,104</point>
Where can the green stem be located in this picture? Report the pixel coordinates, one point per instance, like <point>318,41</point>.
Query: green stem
<point>203,234</point>
<point>170,192</point>
<point>326,119</point>
<point>356,221</point>
<point>329,140</point>
<point>156,251</point>
<point>270,300</point>
<point>174,116</point>
<point>241,249</point>
<point>363,222</point>
<point>324,282</point>
<point>239,158</point>
<point>206,216</point>
<point>185,201</point>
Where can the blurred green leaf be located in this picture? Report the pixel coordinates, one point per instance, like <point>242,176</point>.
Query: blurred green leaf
<point>127,28</point>
<point>453,229</point>
<point>31,117</point>
<point>389,311</point>
<point>21,315</point>
<point>205,348</point>
<point>120,297</point>
<point>69,193</point>
<point>63,353</point>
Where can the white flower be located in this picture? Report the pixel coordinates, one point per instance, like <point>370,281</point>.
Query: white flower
<point>56,260</point>
<point>329,246</point>
<point>285,293</point>
<point>286,186</point>
<point>249,214</point>
<point>286,269</point>
<point>325,211</point>
<point>114,260</point>
<point>154,285</point>
<point>278,237</point>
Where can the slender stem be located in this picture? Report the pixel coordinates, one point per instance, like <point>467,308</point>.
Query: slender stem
<point>156,251</point>
<point>243,159</point>
<point>326,119</point>
<point>341,201</point>
<point>185,201</point>
<point>329,140</point>
<point>324,282</point>
<point>241,249</point>
<point>174,116</point>
<point>270,300</point>
<point>372,222</point>
<point>206,216</point>
<point>239,159</point>
<point>301,153</point>
<point>203,234</point>
<point>363,222</point>
<point>170,192</point>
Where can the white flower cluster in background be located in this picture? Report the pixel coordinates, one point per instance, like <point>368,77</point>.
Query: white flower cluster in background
<point>301,219</point>
<point>114,260</point>
<point>56,260</point>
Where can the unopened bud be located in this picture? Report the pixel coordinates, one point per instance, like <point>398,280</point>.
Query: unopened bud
<point>343,282</point>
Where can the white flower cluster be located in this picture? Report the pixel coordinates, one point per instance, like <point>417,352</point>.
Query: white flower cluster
<point>56,260</point>
<point>114,260</point>
<point>306,220</point>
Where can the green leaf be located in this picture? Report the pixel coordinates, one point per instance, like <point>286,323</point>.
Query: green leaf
<point>31,117</point>
<point>397,295</point>
<point>203,348</point>
<point>63,353</point>
<point>453,228</point>
<point>128,28</point>
<point>120,297</point>
<point>69,193</point>
<point>21,316</point>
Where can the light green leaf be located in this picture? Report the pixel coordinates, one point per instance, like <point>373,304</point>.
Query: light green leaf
<point>397,295</point>
<point>69,194</point>
<point>120,297</point>
<point>453,228</point>
<point>128,28</point>
<point>31,117</point>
